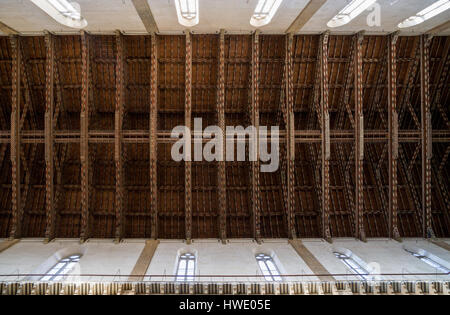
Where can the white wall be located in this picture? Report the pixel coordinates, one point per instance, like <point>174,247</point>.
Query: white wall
<point>214,258</point>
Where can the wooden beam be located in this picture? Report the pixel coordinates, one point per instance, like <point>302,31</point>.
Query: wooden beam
<point>305,15</point>
<point>254,115</point>
<point>188,163</point>
<point>144,260</point>
<point>145,13</point>
<point>153,137</point>
<point>359,140</point>
<point>16,224</point>
<point>393,137</point>
<point>7,244</point>
<point>118,146</point>
<point>84,137</point>
<point>436,242</point>
<point>7,30</point>
<point>427,152</point>
<point>290,144</point>
<point>313,263</point>
<point>439,29</point>
<point>325,134</point>
<point>221,171</point>
<point>49,138</point>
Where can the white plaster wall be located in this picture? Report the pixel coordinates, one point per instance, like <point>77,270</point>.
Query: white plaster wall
<point>99,257</point>
<point>390,255</point>
<point>214,258</point>
<point>234,258</point>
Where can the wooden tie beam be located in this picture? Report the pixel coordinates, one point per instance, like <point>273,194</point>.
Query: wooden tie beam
<point>427,146</point>
<point>255,165</point>
<point>154,136</point>
<point>49,138</point>
<point>359,140</point>
<point>84,137</point>
<point>187,115</point>
<point>118,146</point>
<point>221,174</point>
<point>393,137</point>
<point>16,225</point>
<point>326,143</point>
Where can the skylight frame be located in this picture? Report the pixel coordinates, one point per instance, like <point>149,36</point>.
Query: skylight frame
<point>423,256</point>
<point>354,266</point>
<point>350,12</point>
<point>264,12</point>
<point>186,15</point>
<point>426,14</point>
<point>63,12</point>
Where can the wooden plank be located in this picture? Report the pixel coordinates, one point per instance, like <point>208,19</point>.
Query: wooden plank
<point>145,13</point>
<point>313,263</point>
<point>305,15</point>
<point>7,244</point>
<point>144,260</point>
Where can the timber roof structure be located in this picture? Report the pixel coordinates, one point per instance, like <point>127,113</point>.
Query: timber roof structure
<point>86,120</point>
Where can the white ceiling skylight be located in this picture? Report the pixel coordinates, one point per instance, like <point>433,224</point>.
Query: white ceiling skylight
<point>426,14</point>
<point>187,12</point>
<point>63,11</point>
<point>264,12</point>
<point>351,11</point>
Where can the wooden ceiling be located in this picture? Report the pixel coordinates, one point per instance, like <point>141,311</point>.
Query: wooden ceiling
<point>95,158</point>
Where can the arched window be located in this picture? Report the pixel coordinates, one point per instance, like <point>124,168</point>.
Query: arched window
<point>268,267</point>
<point>62,268</point>
<point>425,257</point>
<point>353,265</point>
<point>186,268</point>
